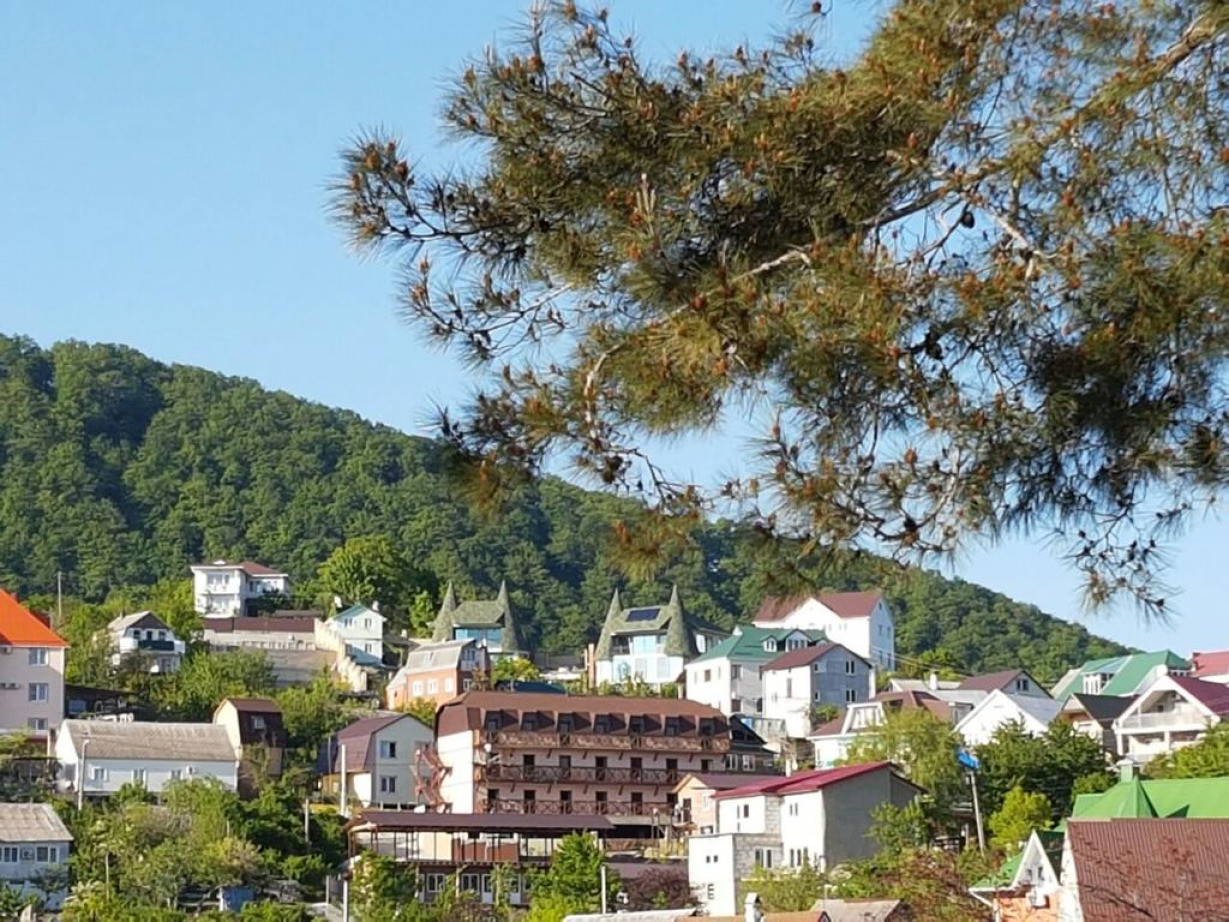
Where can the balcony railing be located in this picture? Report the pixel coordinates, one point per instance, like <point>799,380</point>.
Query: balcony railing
<point>540,739</point>
<point>663,812</point>
<point>559,774</point>
<point>1185,719</point>
<point>131,644</point>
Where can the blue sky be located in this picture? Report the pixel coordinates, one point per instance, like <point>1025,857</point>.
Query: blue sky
<point>164,170</point>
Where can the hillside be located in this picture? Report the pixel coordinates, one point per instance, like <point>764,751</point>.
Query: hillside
<point>119,470</point>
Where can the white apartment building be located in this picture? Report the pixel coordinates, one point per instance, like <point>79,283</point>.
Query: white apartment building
<point>34,851</point>
<point>1170,713</point>
<point>102,756</point>
<point>727,676</point>
<point>31,672</point>
<point>860,621</point>
<point>824,674</point>
<point>820,817</point>
<point>145,634</point>
<point>225,590</point>
<point>362,629</point>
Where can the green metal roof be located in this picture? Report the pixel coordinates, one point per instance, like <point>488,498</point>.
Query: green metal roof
<point>1192,798</point>
<point>748,644</point>
<point>1127,673</point>
<point>670,619</point>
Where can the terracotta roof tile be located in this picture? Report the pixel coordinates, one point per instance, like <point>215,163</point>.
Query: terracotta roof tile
<point>1163,870</point>
<point>19,627</point>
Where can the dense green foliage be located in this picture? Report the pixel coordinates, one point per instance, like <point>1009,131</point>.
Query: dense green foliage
<point>1209,758</point>
<point>120,471</point>
<point>1021,813</point>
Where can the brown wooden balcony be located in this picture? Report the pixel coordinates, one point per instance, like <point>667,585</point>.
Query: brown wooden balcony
<point>559,774</point>
<point>662,811</point>
<point>540,739</point>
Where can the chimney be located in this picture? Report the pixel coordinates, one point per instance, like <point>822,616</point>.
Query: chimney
<point>375,606</point>
<point>1126,770</point>
<point>933,681</point>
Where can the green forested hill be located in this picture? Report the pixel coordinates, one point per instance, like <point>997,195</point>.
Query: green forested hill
<point>119,470</point>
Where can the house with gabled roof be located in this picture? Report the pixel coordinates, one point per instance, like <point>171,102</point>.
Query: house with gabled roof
<point>821,818</point>
<point>1212,666</point>
<point>362,629</point>
<point>1033,713</point>
<point>1027,885</point>
<point>1094,716</point>
<point>98,757</point>
<point>727,675</point>
<point>31,672</point>
<point>436,672</point>
<point>1156,798</point>
<point>34,852</point>
<point>860,621</point>
<point>146,635</point>
<point>1120,675</point>
<point>832,739</point>
<point>378,761</point>
<point>258,735</point>
<point>800,680</point>
<point>1170,712</point>
<point>650,643</point>
<point>490,622</point>
<point>222,589</point>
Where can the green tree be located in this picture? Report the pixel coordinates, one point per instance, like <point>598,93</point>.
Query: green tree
<point>313,712</point>
<point>966,296</point>
<point>787,889</point>
<point>1050,764</point>
<point>895,828</point>
<point>381,889</point>
<point>514,668</point>
<point>572,883</point>
<point>1021,813</point>
<point>370,569</point>
<point>422,708</point>
<point>924,747</point>
<point>1209,758</point>
<point>205,678</point>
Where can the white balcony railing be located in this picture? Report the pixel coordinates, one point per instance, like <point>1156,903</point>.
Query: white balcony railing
<point>1184,719</point>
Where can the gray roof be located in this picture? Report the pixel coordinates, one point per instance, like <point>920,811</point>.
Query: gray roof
<point>445,654</point>
<point>140,740</point>
<point>487,613</point>
<point>143,619</point>
<point>32,823</point>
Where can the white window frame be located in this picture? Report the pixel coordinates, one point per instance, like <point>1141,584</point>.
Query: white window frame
<point>98,773</point>
<point>388,784</point>
<point>139,776</point>
<point>37,724</point>
<point>388,749</point>
<point>38,656</point>
<point>176,774</point>
<point>433,687</point>
<point>8,854</point>
<point>39,692</point>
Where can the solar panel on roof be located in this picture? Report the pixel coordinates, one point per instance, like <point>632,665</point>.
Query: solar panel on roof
<point>643,614</point>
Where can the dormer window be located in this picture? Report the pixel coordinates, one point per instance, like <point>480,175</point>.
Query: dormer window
<point>706,726</point>
<point>529,722</point>
<point>672,726</point>
<point>770,645</point>
<point>636,725</point>
<point>1021,685</point>
<point>795,643</point>
<point>492,723</point>
<point>601,724</point>
<point>565,723</point>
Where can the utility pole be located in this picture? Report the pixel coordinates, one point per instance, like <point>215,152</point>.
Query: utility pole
<point>603,888</point>
<point>981,834</point>
<point>85,745</point>
<point>59,599</point>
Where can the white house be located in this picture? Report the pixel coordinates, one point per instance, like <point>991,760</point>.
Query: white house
<point>832,740</point>
<point>1000,708</point>
<point>1171,712</point>
<point>31,672</point>
<point>147,635</point>
<point>34,850</point>
<point>650,643</point>
<point>362,629</point>
<point>226,590</point>
<point>382,759</point>
<point>860,621</point>
<point>102,756</point>
<point>797,681</point>
<point>820,818</point>
<point>727,676</point>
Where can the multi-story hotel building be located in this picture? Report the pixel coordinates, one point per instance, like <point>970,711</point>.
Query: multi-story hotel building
<point>520,753</point>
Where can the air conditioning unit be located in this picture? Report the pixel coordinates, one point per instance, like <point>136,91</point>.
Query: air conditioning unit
<point>10,685</point>
<point>6,650</point>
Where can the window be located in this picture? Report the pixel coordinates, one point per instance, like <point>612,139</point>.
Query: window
<point>449,685</point>
<point>601,724</point>
<point>792,809</point>
<point>98,773</point>
<point>38,656</point>
<point>736,672</point>
<point>38,724</point>
<point>46,853</point>
<point>8,854</point>
<point>745,811</point>
<point>748,763</point>
<point>770,646</point>
<point>851,694</point>
<point>433,882</point>
<point>529,722</point>
<point>176,774</point>
<point>39,691</point>
<point>851,667</point>
<point>635,725</point>
<point>388,784</point>
<point>795,643</point>
<point>138,776</point>
<point>710,891</point>
<point>417,690</point>
<point>467,684</point>
<point>368,648</point>
<point>258,722</point>
<point>162,635</point>
<point>1022,685</point>
<point>433,687</point>
<point>736,705</point>
<point>708,675</point>
<point>388,749</point>
<point>763,857</point>
<point>471,882</point>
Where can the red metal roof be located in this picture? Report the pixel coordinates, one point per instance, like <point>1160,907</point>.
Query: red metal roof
<point>843,604</point>
<point>803,656</point>
<point>1209,664</point>
<point>1212,695</point>
<point>251,568</point>
<point>992,681</point>
<point>19,627</point>
<point>804,782</point>
<point>1162,870</point>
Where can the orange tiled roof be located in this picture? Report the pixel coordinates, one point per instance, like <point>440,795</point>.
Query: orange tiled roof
<point>20,628</point>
